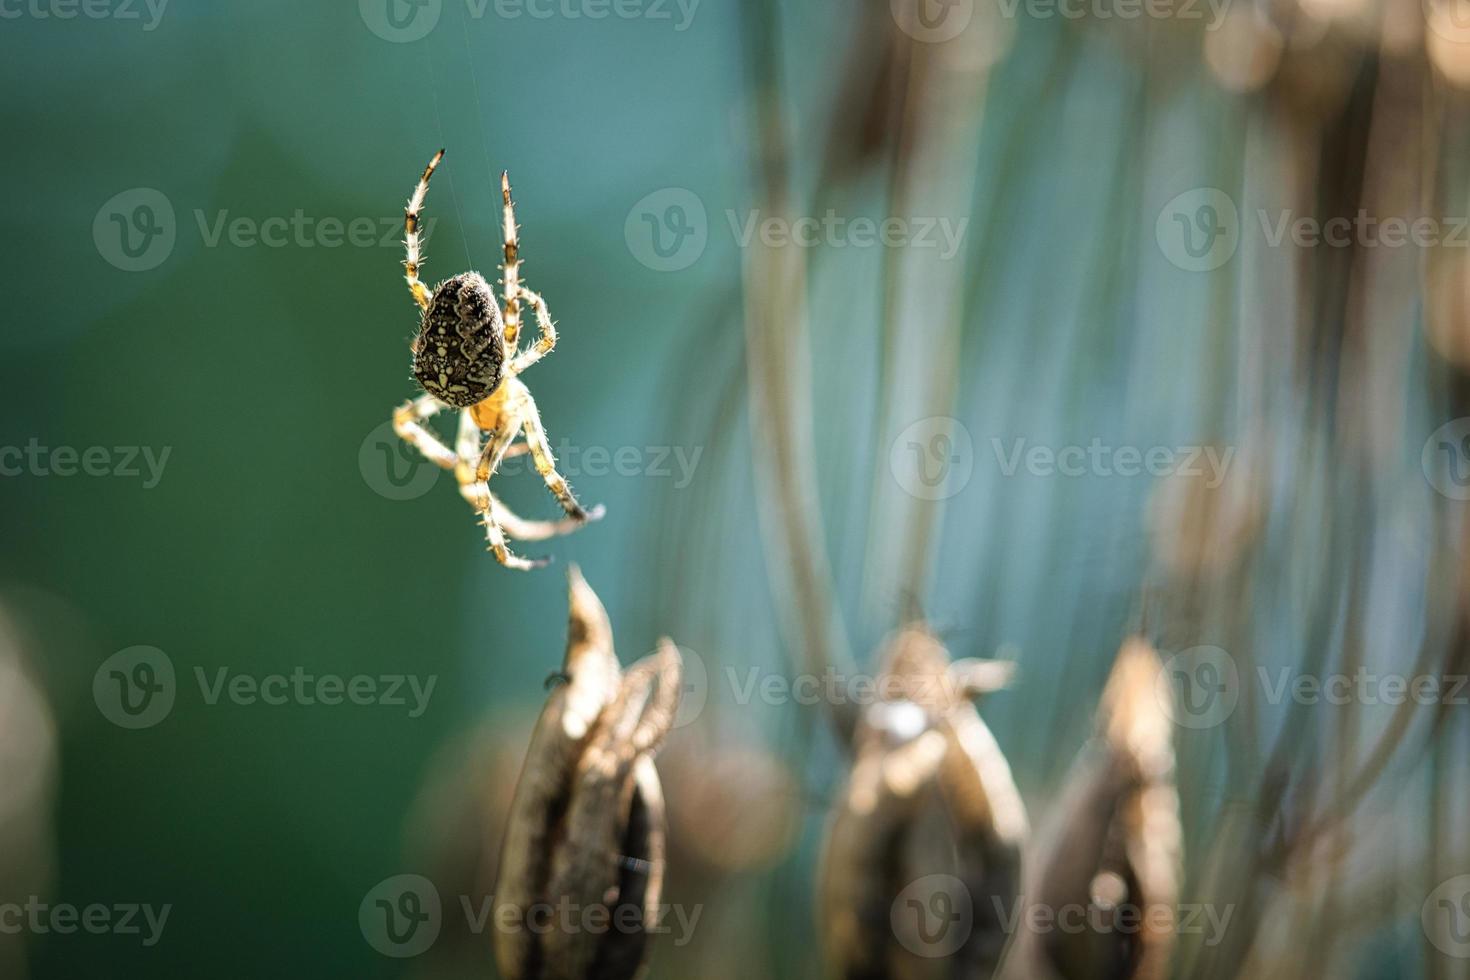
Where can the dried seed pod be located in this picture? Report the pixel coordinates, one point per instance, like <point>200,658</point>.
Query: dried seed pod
<point>927,834</point>
<point>582,864</point>
<point>1112,845</point>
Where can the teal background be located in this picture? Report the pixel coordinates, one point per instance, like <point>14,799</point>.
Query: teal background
<point>264,547</point>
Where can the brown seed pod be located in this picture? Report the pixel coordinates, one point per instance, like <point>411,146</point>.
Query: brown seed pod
<point>1112,844</point>
<point>581,868</point>
<point>928,832</point>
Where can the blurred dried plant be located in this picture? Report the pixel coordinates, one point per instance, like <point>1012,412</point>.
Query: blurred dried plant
<point>930,794</point>
<point>28,758</point>
<point>1111,843</point>
<point>586,827</point>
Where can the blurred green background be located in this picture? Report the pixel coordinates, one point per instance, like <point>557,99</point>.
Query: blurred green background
<point>272,540</point>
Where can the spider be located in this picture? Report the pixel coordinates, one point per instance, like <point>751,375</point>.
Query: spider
<point>467,355</point>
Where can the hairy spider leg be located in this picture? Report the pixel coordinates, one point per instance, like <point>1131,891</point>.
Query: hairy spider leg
<point>411,242</point>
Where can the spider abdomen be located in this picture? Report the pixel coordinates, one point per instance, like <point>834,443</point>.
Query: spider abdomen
<point>459,354</point>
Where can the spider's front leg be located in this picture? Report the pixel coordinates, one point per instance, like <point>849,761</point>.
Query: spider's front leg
<point>510,272</point>
<point>545,344</point>
<point>546,464</point>
<point>411,242</point>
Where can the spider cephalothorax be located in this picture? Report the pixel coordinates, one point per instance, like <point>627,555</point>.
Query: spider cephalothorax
<point>459,353</point>
<point>468,355</point>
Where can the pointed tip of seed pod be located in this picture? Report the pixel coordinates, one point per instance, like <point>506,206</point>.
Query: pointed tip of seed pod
<point>1133,718</point>
<point>974,677</point>
<point>587,612</point>
<point>588,628</point>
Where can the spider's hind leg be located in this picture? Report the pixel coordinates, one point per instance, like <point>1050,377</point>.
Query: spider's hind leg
<point>478,495</point>
<point>408,423</point>
<point>477,492</point>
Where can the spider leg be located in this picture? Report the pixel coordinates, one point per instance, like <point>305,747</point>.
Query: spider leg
<point>478,495</point>
<point>408,423</point>
<point>511,271</point>
<point>546,465</point>
<point>545,344</point>
<point>411,234</point>
<point>485,467</point>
